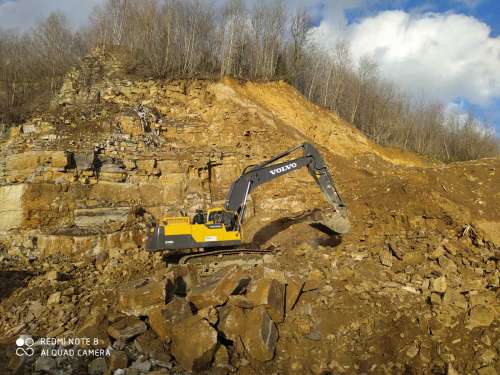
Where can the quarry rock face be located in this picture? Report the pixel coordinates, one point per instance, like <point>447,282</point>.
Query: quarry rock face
<point>412,288</point>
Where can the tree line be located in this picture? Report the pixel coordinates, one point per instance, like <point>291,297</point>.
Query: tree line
<point>173,39</point>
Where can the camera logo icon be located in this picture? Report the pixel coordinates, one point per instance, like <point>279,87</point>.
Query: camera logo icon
<point>25,346</point>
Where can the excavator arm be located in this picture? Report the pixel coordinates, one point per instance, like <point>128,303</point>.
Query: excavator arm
<point>271,169</point>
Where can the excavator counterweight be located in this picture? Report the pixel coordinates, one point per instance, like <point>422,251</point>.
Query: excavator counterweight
<point>221,227</point>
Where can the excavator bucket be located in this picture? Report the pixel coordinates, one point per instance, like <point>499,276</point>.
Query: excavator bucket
<point>336,221</point>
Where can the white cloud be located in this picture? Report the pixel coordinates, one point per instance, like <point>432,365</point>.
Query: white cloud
<point>444,56</point>
<point>23,14</point>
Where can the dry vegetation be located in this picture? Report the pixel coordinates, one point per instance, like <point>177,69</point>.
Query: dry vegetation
<point>190,39</point>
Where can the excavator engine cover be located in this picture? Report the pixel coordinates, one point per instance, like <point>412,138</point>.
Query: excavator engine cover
<point>178,233</point>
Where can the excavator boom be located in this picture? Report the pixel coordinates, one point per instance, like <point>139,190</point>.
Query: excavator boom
<point>269,170</point>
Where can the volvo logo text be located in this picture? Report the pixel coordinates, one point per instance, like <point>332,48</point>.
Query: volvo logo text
<point>283,168</point>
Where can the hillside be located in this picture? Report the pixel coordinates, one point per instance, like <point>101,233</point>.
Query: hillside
<point>411,289</point>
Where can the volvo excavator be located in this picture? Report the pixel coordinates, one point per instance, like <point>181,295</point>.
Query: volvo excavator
<point>221,227</point>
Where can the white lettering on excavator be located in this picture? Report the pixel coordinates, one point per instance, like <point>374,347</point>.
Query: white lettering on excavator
<point>283,168</point>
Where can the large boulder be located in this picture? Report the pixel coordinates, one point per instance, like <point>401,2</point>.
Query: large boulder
<point>162,319</point>
<point>261,335</point>
<point>231,322</point>
<point>194,343</point>
<point>95,326</point>
<point>126,328</point>
<point>218,287</point>
<point>480,316</point>
<point>271,294</point>
<point>141,296</point>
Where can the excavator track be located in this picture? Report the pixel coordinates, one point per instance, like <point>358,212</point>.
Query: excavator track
<point>210,262</point>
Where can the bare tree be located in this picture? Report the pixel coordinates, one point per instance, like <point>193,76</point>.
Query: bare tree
<point>186,39</point>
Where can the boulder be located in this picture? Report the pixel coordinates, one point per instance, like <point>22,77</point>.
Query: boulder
<point>271,294</point>
<point>97,367</point>
<point>126,328</point>
<point>439,285</point>
<point>385,258</point>
<point>54,298</point>
<point>117,359</point>
<point>150,345</point>
<point>143,366</point>
<point>141,296</point>
<point>194,343</point>
<point>488,370</point>
<point>231,322</point>
<point>84,161</point>
<point>480,316</point>
<point>261,335</point>
<point>455,298</point>
<point>146,165</point>
<point>162,319</point>
<point>185,278</point>
<point>11,209</point>
<point>210,314</point>
<point>112,176</point>
<point>293,290</point>
<point>130,124</point>
<point>28,128</point>
<point>222,357</point>
<point>95,327</point>
<point>57,276</point>
<point>112,167</point>
<point>218,287</point>
<point>58,159</point>
<point>45,364</point>
<point>241,301</point>
<point>313,281</point>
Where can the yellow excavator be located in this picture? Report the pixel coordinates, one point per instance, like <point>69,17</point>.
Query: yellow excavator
<point>221,227</point>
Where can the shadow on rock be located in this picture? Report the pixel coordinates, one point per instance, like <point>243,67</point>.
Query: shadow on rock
<point>270,230</point>
<point>12,280</point>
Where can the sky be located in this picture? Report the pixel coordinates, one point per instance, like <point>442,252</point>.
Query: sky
<point>446,50</point>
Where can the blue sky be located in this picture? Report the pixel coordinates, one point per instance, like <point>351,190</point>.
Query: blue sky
<point>446,50</point>
<point>487,11</point>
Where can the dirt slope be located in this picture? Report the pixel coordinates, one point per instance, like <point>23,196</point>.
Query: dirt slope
<point>413,288</point>
<point>320,126</point>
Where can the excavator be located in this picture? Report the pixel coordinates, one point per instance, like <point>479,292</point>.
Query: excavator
<point>221,227</point>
